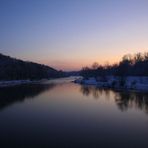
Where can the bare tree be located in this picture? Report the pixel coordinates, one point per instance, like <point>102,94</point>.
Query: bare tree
<point>95,65</point>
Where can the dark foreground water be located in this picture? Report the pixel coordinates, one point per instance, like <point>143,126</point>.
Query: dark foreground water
<point>60,114</point>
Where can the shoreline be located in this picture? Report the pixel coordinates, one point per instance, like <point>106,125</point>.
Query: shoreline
<point>12,83</point>
<point>138,84</point>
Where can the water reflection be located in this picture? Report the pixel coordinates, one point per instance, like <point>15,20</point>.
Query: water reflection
<point>94,91</point>
<point>10,95</point>
<point>60,116</point>
<point>123,99</point>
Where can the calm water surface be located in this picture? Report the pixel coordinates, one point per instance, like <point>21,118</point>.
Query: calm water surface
<point>62,114</point>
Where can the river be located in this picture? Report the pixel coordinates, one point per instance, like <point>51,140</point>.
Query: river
<point>62,114</point>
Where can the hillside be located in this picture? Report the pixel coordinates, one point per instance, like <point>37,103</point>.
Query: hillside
<point>15,69</point>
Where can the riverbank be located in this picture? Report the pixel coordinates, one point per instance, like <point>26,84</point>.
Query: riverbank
<point>18,82</point>
<point>126,83</point>
<point>42,81</point>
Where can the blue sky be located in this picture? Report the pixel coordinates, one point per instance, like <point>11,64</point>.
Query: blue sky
<point>69,34</point>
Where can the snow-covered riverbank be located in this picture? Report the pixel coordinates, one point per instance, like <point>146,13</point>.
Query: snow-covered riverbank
<point>16,82</point>
<point>131,82</point>
<point>42,81</point>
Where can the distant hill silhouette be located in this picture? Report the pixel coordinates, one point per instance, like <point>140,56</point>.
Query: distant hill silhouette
<point>15,69</point>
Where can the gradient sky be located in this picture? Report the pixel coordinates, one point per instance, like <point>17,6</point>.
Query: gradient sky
<point>69,34</point>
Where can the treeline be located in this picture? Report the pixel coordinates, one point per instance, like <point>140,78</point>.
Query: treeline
<point>14,69</point>
<point>130,65</point>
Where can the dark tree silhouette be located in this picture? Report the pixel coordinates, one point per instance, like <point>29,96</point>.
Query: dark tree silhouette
<point>130,65</point>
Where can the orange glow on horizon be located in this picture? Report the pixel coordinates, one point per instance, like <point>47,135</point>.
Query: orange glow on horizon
<point>72,65</point>
<point>68,62</point>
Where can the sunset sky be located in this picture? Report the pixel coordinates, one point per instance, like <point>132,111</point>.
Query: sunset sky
<point>69,34</point>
